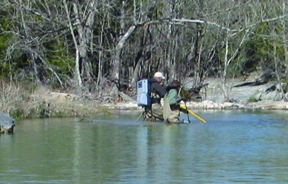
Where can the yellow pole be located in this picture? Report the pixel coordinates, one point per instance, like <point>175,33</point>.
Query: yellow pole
<point>193,113</point>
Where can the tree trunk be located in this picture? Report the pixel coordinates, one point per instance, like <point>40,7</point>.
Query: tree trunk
<point>116,61</point>
<point>84,25</point>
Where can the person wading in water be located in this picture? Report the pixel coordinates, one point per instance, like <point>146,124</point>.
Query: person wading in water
<point>171,109</point>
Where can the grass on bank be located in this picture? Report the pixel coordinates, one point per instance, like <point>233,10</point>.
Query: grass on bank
<point>22,102</point>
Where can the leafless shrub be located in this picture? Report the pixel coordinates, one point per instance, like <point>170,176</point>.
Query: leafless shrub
<point>9,94</point>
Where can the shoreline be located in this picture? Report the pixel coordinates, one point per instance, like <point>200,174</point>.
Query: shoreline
<point>43,107</point>
<point>44,103</point>
<point>210,105</point>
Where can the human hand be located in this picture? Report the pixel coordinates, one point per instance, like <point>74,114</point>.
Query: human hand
<point>182,100</point>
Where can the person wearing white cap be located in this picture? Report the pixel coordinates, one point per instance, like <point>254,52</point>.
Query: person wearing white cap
<point>159,75</point>
<point>157,92</point>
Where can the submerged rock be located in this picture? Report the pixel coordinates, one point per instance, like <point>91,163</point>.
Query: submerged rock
<point>7,124</point>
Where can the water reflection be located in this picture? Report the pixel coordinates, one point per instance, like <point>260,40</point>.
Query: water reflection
<point>235,146</point>
<point>142,151</point>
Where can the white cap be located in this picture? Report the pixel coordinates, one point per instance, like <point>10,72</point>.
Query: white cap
<point>159,74</point>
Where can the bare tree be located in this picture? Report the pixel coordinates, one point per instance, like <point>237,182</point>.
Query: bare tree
<point>30,32</point>
<point>126,40</point>
<point>83,21</point>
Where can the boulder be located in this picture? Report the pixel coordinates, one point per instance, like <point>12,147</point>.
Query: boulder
<point>7,124</point>
<point>273,92</point>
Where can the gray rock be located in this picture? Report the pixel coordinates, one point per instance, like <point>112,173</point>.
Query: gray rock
<point>7,124</point>
<point>275,96</point>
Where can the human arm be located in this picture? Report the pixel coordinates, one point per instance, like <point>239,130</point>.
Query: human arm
<point>173,97</point>
<point>157,88</point>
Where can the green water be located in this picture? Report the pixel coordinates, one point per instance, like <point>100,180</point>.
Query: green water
<point>232,147</point>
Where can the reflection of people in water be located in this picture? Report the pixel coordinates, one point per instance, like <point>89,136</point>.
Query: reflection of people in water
<point>149,156</point>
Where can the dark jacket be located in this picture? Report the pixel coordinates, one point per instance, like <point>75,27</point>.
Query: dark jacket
<point>157,88</point>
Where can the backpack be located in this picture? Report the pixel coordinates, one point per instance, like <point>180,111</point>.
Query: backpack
<point>143,93</point>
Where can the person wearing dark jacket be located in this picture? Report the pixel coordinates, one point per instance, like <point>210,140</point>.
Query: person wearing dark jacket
<point>155,111</point>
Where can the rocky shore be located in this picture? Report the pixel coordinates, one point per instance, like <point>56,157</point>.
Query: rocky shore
<point>211,105</point>
<point>43,103</point>
<point>246,97</point>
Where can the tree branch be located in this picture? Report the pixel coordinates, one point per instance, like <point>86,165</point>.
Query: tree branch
<point>122,41</point>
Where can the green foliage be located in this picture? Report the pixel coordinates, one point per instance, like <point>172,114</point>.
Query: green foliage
<point>4,43</point>
<point>252,99</point>
<point>259,50</point>
<point>190,95</point>
<point>17,113</point>
<point>158,14</point>
<point>185,94</point>
<point>104,111</point>
<point>285,86</point>
<point>4,40</point>
<point>41,28</point>
<point>31,87</point>
<point>59,56</point>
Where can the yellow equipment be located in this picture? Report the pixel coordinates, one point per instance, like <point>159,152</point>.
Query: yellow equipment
<point>193,113</point>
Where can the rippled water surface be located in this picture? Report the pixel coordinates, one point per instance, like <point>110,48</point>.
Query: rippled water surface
<point>232,147</point>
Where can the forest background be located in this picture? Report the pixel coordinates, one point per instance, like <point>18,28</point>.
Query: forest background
<point>104,47</point>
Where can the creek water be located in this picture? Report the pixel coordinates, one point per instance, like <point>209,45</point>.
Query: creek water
<point>232,147</point>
